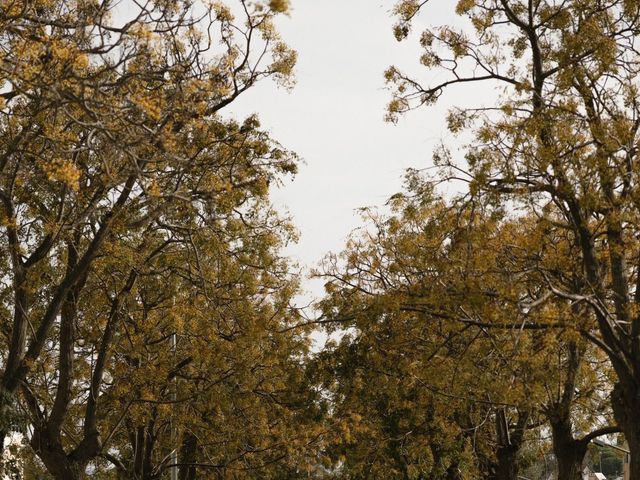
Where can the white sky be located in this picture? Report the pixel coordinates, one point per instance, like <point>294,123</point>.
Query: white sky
<point>333,118</point>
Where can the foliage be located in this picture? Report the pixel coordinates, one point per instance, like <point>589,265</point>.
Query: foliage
<point>559,141</point>
<point>133,211</point>
<point>441,343</point>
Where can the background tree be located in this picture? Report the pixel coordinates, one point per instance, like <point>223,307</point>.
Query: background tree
<point>232,395</point>
<point>442,301</point>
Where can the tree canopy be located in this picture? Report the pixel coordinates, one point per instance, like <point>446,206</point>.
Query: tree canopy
<point>149,326</point>
<point>143,290</point>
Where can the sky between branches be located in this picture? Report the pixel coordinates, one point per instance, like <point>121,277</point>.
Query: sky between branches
<point>334,117</point>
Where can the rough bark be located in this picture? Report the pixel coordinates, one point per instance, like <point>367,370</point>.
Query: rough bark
<point>507,468</point>
<point>569,451</point>
<point>58,464</point>
<point>510,439</point>
<point>626,410</point>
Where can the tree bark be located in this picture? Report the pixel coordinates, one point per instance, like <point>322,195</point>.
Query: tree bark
<point>509,443</point>
<point>57,463</point>
<point>626,410</point>
<point>507,462</point>
<point>188,457</point>
<point>569,452</point>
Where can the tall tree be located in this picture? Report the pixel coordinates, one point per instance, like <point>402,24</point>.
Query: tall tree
<point>561,137</point>
<point>114,154</point>
<point>579,376</point>
<point>443,301</point>
<point>421,354</point>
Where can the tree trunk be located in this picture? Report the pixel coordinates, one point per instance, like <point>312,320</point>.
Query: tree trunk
<point>188,452</point>
<point>626,410</point>
<point>569,452</point>
<point>60,466</point>
<point>509,443</point>
<point>139,450</point>
<point>72,471</point>
<point>507,463</point>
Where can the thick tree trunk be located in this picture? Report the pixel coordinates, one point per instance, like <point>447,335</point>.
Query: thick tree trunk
<point>60,466</point>
<point>569,452</point>
<point>57,462</point>
<point>70,471</point>
<point>509,442</point>
<point>626,410</point>
<point>507,463</point>
<point>570,462</point>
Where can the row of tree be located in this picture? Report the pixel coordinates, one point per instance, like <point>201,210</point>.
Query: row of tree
<point>146,316</point>
<point>480,325</point>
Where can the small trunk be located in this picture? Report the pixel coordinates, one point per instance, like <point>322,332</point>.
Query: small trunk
<point>188,452</point>
<point>138,453</point>
<point>507,463</point>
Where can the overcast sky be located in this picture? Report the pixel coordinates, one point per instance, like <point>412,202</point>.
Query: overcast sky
<point>334,117</point>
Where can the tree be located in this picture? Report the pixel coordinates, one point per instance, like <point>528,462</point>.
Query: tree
<point>561,140</point>
<point>578,375</point>
<point>439,323</point>
<point>114,156</point>
<point>232,394</point>
<point>418,370</point>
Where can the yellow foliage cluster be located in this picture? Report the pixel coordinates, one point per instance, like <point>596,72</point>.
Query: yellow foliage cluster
<point>63,171</point>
